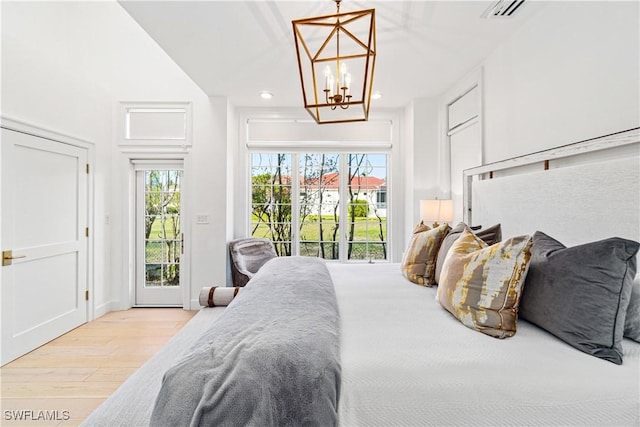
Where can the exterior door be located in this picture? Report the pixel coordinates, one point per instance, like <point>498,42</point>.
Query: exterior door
<point>159,238</point>
<point>44,241</point>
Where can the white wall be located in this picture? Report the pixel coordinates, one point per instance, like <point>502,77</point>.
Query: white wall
<point>65,66</point>
<point>423,163</point>
<point>209,190</point>
<point>570,73</point>
<point>232,160</point>
<point>46,84</point>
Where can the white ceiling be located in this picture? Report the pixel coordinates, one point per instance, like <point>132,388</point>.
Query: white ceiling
<point>239,48</point>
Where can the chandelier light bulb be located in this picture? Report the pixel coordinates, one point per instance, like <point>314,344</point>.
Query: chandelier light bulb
<point>327,76</point>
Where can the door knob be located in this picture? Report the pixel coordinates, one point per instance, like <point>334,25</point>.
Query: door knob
<point>7,257</point>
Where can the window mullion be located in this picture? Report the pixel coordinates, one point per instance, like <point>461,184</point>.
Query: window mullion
<point>344,219</point>
<point>295,204</point>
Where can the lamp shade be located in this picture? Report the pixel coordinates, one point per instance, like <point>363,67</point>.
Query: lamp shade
<point>436,210</point>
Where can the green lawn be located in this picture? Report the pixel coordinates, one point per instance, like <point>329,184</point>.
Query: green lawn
<point>156,230</point>
<point>365,229</point>
<point>366,238</point>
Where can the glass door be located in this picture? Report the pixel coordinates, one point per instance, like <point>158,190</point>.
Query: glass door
<point>159,239</point>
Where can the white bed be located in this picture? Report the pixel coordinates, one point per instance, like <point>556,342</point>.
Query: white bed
<point>407,361</point>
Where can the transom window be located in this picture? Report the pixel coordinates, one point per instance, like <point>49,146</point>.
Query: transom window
<point>329,205</point>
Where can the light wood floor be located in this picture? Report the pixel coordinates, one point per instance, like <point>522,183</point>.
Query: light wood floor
<point>70,376</point>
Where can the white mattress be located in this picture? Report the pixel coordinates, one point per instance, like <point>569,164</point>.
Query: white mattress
<point>406,361</point>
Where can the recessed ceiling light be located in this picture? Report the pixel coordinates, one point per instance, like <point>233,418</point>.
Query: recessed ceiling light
<point>266,95</point>
<point>376,95</point>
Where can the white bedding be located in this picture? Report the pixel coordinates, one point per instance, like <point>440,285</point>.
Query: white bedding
<point>406,361</point>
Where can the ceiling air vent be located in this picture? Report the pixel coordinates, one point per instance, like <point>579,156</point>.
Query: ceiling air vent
<point>502,9</point>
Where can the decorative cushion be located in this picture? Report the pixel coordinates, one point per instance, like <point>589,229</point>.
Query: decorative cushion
<point>419,261</point>
<point>215,296</point>
<point>247,256</point>
<point>581,294</point>
<point>490,236</point>
<point>481,285</point>
<point>632,321</point>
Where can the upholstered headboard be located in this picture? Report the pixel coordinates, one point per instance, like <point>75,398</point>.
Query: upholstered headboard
<point>577,193</point>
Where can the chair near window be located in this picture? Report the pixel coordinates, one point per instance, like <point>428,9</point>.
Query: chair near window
<point>247,256</point>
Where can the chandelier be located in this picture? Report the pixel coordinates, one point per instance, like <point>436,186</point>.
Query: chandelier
<point>336,59</point>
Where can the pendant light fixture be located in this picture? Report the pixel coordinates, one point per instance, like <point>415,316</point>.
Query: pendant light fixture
<point>336,59</point>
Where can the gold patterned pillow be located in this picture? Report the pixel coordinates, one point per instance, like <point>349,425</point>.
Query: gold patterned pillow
<point>481,285</point>
<point>419,261</point>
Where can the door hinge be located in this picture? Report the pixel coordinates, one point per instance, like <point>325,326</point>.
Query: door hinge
<point>87,168</point>
<point>86,295</point>
<point>86,231</point>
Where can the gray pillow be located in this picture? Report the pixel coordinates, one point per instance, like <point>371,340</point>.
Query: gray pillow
<point>489,235</point>
<point>632,322</point>
<point>581,294</point>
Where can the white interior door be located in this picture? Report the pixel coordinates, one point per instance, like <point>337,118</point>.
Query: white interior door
<point>44,219</point>
<point>159,237</point>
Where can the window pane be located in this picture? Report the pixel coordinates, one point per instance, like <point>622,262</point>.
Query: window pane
<point>156,123</point>
<point>309,249</point>
<point>153,250</point>
<point>319,198</point>
<point>358,251</point>
<point>283,248</point>
<point>377,251</point>
<point>329,231</point>
<point>330,250</point>
<point>171,275</point>
<point>271,199</point>
<point>153,274</point>
<point>367,205</point>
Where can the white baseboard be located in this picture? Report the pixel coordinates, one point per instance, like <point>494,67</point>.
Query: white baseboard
<point>105,308</point>
<point>114,305</point>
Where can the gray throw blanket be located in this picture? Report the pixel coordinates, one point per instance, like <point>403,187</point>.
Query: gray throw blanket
<point>271,359</point>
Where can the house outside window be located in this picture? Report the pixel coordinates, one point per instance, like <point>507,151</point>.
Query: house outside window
<point>381,198</point>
